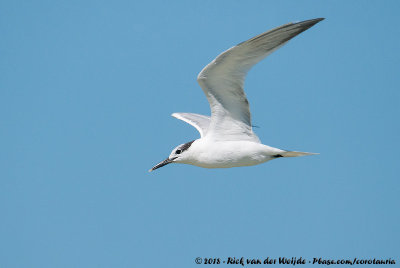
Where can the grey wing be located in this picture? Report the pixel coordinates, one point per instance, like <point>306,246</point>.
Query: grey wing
<point>200,122</point>
<point>222,81</point>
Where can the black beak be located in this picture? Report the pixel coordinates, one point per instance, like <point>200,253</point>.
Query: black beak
<point>161,164</point>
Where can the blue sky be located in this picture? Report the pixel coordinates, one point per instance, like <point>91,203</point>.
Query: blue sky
<point>86,93</point>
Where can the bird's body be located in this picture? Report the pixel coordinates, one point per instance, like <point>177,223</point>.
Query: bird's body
<point>225,154</point>
<point>227,138</point>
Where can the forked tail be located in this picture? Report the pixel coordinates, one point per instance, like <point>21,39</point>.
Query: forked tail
<point>294,153</point>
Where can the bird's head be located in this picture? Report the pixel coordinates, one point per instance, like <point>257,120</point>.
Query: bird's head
<point>178,155</point>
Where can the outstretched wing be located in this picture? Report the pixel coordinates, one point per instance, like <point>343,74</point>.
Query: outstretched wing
<point>200,122</point>
<point>222,81</point>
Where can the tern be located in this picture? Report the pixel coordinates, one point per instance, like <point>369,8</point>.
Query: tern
<point>227,138</point>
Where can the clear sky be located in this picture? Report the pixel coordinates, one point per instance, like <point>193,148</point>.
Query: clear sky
<point>86,93</point>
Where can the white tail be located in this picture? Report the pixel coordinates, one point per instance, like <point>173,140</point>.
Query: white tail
<point>294,154</point>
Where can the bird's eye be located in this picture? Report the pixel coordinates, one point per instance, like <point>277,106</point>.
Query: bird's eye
<point>178,151</point>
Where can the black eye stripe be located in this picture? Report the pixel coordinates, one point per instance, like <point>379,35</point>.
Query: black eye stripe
<point>184,147</point>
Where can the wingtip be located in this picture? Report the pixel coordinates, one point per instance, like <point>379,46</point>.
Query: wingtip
<point>318,20</point>
<point>309,23</point>
<point>315,20</point>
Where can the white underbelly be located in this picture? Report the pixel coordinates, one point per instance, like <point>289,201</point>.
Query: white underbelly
<point>229,160</point>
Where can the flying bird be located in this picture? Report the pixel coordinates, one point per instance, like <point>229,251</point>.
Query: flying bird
<point>227,138</point>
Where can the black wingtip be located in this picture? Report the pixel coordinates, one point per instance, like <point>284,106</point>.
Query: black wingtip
<point>310,23</point>
<point>305,25</point>
<point>318,19</point>
<point>315,21</point>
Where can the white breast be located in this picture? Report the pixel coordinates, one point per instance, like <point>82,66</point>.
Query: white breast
<point>225,154</point>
